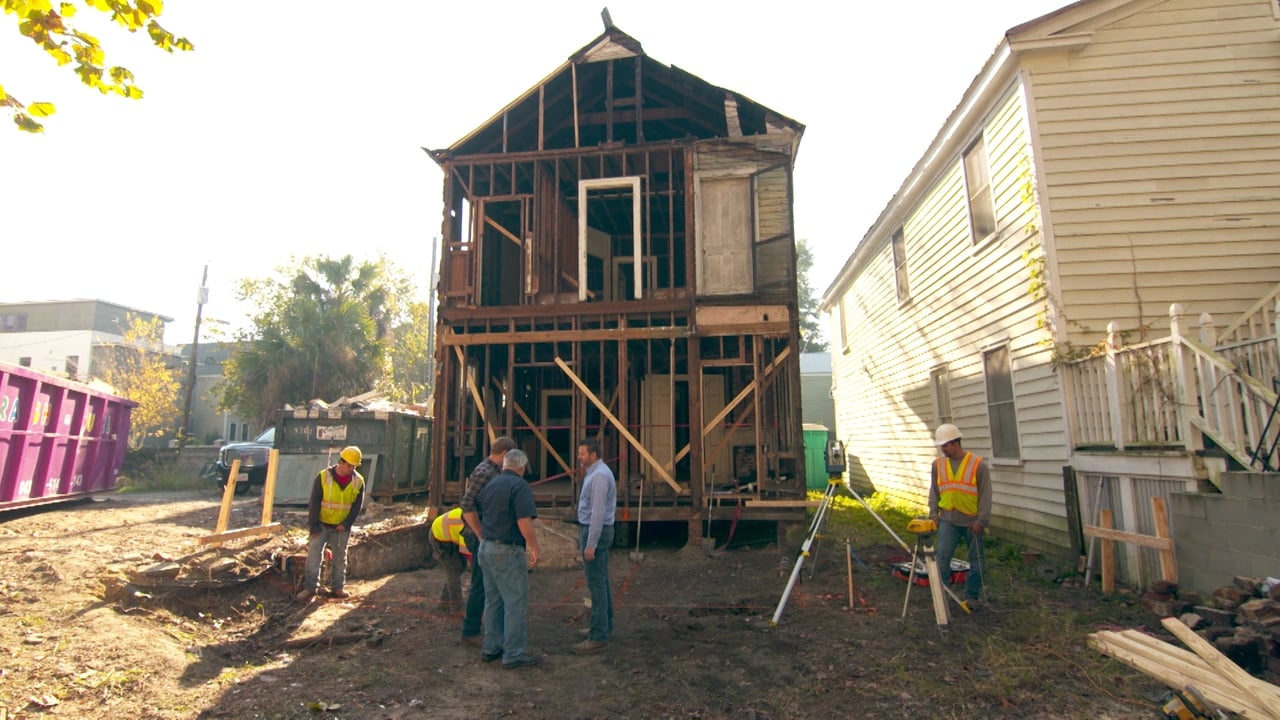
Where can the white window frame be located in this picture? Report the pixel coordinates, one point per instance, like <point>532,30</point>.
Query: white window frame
<point>979,144</point>
<point>584,186</point>
<point>1011,402</point>
<point>940,386</point>
<point>898,251</point>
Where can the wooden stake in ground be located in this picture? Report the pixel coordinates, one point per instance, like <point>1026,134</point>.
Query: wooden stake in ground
<point>220,532</point>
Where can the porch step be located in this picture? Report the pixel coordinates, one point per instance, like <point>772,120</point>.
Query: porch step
<point>1251,485</point>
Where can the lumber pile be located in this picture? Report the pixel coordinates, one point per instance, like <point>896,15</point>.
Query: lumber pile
<point>1219,680</point>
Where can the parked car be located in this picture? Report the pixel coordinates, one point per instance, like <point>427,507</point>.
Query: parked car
<point>253,456</point>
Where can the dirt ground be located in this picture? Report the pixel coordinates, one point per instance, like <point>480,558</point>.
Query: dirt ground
<point>694,637</point>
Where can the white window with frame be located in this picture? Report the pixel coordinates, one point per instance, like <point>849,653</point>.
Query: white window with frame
<point>977,183</point>
<point>899,245</point>
<point>1001,411</point>
<point>585,187</point>
<point>844,325</point>
<point>940,383</point>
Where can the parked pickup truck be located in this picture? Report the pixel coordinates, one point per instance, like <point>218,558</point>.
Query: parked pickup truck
<point>253,456</point>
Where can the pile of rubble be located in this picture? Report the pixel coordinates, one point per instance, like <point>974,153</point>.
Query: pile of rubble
<point>1242,620</point>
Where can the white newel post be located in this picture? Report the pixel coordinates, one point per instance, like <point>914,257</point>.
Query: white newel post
<point>1113,386</point>
<point>1184,392</point>
<point>1208,331</point>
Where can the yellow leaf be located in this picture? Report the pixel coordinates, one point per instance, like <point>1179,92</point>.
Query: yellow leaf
<point>151,7</point>
<point>3,95</point>
<point>59,54</point>
<point>133,91</point>
<point>41,109</point>
<point>184,44</point>
<point>26,124</point>
<point>67,10</point>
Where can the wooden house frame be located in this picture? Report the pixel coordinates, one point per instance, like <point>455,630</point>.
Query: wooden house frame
<point>618,262</point>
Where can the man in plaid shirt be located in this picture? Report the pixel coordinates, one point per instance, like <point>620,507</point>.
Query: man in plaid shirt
<point>488,469</point>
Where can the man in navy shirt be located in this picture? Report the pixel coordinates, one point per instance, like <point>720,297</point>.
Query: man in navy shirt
<point>508,548</point>
<point>596,508</point>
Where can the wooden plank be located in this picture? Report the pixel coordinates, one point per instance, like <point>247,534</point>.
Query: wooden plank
<point>743,316</point>
<point>533,427</point>
<point>622,429</point>
<point>223,536</point>
<point>224,514</point>
<point>1268,697</point>
<point>511,236</point>
<point>1168,566</point>
<point>269,490</point>
<point>1148,660</point>
<point>1108,555</point>
<point>475,393</point>
<point>784,503</point>
<point>1109,534</point>
<point>450,337</point>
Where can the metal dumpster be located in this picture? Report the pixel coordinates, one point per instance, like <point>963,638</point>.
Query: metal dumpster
<point>396,447</point>
<point>59,439</point>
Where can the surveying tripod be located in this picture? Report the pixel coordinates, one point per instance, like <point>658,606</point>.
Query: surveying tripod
<point>924,529</point>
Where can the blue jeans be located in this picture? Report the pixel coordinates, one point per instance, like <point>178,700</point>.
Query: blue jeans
<point>597,572</point>
<point>475,600</point>
<point>506,598</point>
<point>337,542</point>
<point>949,536</point>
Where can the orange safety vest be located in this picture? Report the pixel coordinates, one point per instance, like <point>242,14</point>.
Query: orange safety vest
<point>958,490</point>
<point>448,527</point>
<point>335,500</point>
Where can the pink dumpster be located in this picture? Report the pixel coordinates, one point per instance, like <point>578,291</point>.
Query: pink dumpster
<point>59,439</point>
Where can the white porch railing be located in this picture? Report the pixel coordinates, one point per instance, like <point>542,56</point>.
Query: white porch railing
<point>1172,393</point>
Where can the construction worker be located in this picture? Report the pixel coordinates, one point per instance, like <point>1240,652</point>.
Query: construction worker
<point>449,547</point>
<point>336,497</point>
<point>485,471</point>
<point>960,502</point>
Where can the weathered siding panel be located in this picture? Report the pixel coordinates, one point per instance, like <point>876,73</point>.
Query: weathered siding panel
<point>965,298</point>
<point>1161,147</point>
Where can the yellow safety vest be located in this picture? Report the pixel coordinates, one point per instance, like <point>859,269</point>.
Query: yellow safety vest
<point>448,527</point>
<point>336,501</point>
<point>958,490</point>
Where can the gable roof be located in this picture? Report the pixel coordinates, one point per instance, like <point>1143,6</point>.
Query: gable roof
<point>591,99</point>
<point>1067,27</point>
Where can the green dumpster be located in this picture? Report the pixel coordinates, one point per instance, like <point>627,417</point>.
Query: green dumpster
<point>815,456</point>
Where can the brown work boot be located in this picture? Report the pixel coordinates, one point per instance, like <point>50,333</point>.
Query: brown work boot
<point>587,647</point>
<point>339,594</point>
<point>473,640</point>
<point>305,596</point>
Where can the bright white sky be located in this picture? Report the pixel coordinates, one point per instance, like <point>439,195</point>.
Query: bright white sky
<point>294,128</point>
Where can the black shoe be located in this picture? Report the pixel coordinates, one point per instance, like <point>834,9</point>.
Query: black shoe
<point>522,661</point>
<point>490,657</point>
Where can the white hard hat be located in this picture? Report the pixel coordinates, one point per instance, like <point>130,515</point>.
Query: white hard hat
<point>945,434</point>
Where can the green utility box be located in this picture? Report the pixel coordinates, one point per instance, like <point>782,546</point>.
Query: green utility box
<point>815,456</point>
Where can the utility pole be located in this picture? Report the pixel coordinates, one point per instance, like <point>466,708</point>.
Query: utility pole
<point>202,297</point>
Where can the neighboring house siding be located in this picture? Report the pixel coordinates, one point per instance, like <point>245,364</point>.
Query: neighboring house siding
<point>965,298</point>
<point>1161,144</point>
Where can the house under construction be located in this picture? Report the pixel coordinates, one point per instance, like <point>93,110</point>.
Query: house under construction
<point>618,261</point>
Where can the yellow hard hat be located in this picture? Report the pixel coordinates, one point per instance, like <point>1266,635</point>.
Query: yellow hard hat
<point>351,454</point>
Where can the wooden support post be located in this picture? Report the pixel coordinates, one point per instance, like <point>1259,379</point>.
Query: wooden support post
<point>220,532</point>
<point>538,434</point>
<point>269,490</point>
<point>228,492</point>
<point>1168,566</point>
<point>1108,554</point>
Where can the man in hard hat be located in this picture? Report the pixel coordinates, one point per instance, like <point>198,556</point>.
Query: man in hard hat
<point>488,469</point>
<point>960,501</point>
<point>336,497</point>
<point>449,547</point>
